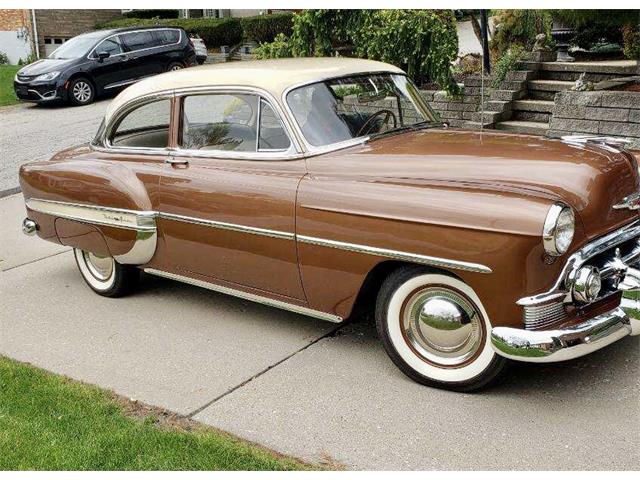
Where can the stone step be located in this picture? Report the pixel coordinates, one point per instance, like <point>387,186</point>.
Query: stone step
<point>549,85</point>
<point>527,116</point>
<point>486,117</point>
<point>507,94</point>
<point>616,67</point>
<point>541,95</point>
<point>477,125</point>
<point>520,75</point>
<point>520,126</point>
<point>532,105</point>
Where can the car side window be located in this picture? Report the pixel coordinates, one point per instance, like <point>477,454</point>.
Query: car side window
<point>111,45</point>
<point>167,37</point>
<point>220,122</point>
<point>272,136</point>
<point>140,40</point>
<point>144,127</point>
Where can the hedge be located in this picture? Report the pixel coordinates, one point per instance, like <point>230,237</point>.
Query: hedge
<point>214,31</point>
<point>264,28</point>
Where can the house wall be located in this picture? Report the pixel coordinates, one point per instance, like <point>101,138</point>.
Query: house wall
<point>15,45</point>
<point>69,23</point>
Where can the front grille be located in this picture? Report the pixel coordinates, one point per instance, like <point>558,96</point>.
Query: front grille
<point>537,317</point>
<point>26,78</point>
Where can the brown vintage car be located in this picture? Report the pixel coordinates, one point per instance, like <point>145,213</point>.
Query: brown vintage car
<point>330,188</point>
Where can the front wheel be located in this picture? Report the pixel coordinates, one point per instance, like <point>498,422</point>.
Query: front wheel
<point>104,275</point>
<point>436,331</point>
<point>81,91</point>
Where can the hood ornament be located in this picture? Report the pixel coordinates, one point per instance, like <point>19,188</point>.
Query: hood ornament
<point>631,202</point>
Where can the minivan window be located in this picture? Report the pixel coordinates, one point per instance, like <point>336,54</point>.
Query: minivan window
<point>75,47</point>
<point>167,37</point>
<point>111,45</point>
<point>145,127</point>
<point>140,40</point>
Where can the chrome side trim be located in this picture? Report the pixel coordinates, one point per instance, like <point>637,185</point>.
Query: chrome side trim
<point>247,296</point>
<point>406,256</point>
<point>563,344</point>
<point>140,221</point>
<point>228,226</point>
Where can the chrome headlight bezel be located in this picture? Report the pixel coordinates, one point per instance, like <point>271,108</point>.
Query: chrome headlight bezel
<point>46,77</point>
<point>559,213</point>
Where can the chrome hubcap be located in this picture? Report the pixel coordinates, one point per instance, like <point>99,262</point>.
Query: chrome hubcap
<point>442,326</point>
<point>176,67</point>
<point>82,91</point>
<point>100,267</point>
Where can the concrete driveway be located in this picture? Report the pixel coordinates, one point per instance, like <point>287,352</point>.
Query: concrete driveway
<point>304,387</point>
<point>31,132</point>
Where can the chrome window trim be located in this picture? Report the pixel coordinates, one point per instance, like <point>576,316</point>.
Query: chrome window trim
<point>89,57</point>
<point>395,254</point>
<point>315,150</point>
<point>248,296</point>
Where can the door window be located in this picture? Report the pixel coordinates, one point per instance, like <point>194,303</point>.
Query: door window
<point>111,45</point>
<point>140,40</point>
<point>145,127</point>
<point>272,136</point>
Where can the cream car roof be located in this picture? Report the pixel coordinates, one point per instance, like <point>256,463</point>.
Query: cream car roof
<point>272,76</point>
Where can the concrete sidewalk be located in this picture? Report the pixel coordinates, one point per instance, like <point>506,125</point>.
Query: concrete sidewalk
<point>304,387</point>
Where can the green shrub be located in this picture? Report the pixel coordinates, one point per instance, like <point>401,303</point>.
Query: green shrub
<point>519,27</point>
<point>214,31</point>
<point>508,62</point>
<point>265,28</point>
<point>153,13</point>
<point>423,42</point>
<point>631,42</point>
<point>4,60</point>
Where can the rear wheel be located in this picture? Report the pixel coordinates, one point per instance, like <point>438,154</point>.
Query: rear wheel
<point>435,329</point>
<point>173,66</point>
<point>81,91</point>
<point>104,275</point>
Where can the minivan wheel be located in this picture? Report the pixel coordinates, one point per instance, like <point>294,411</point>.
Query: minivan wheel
<point>174,66</point>
<point>81,91</point>
<point>435,329</point>
<point>104,275</point>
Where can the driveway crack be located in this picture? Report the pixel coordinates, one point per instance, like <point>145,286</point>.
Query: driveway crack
<point>329,334</point>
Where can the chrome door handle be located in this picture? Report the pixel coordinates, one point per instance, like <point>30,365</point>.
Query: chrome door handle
<point>176,161</point>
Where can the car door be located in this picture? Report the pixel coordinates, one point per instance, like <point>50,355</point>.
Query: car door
<point>228,195</point>
<point>144,49</point>
<point>116,70</point>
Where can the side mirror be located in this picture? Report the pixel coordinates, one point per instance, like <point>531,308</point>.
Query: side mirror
<point>103,55</point>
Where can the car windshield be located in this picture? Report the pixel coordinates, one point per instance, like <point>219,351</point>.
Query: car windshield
<point>75,47</point>
<point>344,108</point>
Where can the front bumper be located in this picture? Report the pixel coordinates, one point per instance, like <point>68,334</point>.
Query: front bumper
<point>38,91</point>
<point>571,342</point>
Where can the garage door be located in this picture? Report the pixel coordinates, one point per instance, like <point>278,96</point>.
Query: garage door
<point>51,43</point>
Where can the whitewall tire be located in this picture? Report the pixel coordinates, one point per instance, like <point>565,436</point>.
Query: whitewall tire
<point>436,330</point>
<point>104,275</point>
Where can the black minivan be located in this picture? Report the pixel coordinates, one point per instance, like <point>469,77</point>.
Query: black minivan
<point>96,63</point>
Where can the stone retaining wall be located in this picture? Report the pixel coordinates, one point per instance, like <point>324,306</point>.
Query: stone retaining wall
<point>456,111</point>
<point>606,113</point>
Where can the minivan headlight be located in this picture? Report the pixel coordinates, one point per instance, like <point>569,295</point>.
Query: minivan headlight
<point>46,77</point>
<point>559,227</point>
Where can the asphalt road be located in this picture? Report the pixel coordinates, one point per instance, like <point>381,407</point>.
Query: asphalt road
<point>302,386</point>
<point>31,132</point>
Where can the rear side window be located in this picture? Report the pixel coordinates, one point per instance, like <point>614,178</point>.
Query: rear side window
<point>167,37</point>
<point>272,136</point>
<point>112,45</point>
<point>145,127</point>
<point>140,40</point>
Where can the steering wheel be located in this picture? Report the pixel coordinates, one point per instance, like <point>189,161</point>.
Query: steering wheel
<point>369,123</point>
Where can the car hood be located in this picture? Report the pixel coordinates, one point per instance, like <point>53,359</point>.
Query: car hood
<point>589,178</point>
<point>46,65</point>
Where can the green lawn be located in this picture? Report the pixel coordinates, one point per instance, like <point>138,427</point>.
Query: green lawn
<point>49,422</point>
<point>7,95</point>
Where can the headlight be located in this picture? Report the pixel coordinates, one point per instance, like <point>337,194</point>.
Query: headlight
<point>558,230</point>
<point>587,284</point>
<point>45,77</point>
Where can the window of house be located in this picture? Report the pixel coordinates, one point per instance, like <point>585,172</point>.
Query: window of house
<point>145,127</point>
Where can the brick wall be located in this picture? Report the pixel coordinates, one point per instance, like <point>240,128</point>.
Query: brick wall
<point>69,23</point>
<point>11,20</point>
<point>603,113</point>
